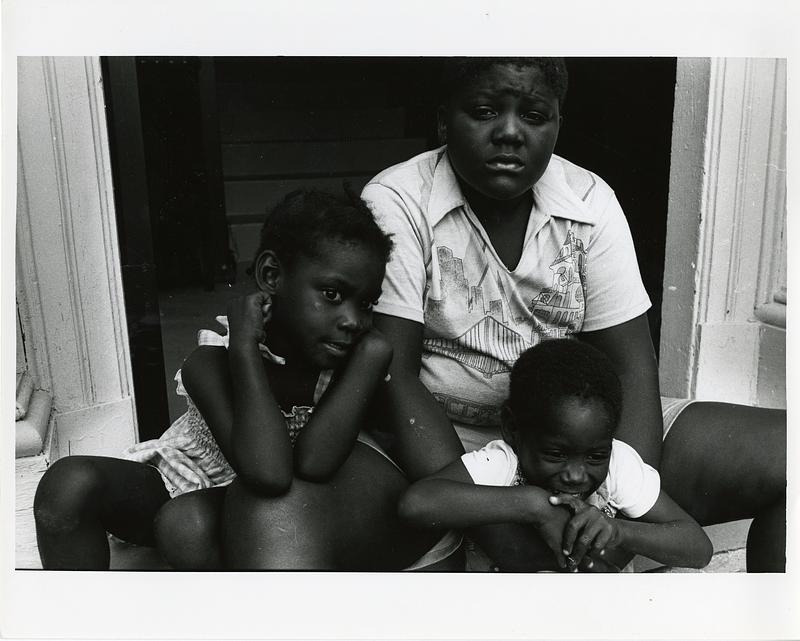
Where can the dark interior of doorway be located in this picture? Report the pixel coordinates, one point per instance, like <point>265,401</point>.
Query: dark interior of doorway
<point>201,147</point>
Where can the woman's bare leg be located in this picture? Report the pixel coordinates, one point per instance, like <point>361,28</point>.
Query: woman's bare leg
<point>725,462</point>
<point>348,523</point>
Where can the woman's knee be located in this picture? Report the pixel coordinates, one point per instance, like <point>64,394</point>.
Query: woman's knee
<point>723,462</point>
<point>67,493</point>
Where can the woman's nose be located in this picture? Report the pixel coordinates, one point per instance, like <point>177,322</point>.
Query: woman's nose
<point>508,130</point>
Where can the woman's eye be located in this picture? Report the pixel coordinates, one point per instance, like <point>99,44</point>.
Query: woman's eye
<point>535,117</point>
<point>332,295</point>
<point>368,304</point>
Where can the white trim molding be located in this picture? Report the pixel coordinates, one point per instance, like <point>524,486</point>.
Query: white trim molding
<point>69,287</point>
<point>724,317</point>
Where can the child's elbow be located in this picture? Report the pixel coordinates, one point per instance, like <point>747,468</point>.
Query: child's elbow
<point>413,509</point>
<point>706,551</point>
<point>703,550</point>
<point>274,484</point>
<point>311,468</point>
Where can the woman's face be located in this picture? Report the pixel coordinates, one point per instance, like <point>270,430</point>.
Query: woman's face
<point>501,130</point>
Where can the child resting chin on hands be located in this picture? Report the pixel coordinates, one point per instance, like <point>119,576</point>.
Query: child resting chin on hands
<point>559,470</point>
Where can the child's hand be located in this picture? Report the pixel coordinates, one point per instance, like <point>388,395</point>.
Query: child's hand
<point>247,316</point>
<point>593,530</point>
<point>373,349</point>
<point>549,522</point>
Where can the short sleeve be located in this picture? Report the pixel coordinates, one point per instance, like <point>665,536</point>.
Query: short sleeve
<point>614,289</point>
<point>633,485</point>
<point>403,288</point>
<point>493,464</point>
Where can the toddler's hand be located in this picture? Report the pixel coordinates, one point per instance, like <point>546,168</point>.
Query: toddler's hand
<point>247,316</point>
<point>588,529</point>
<point>373,349</point>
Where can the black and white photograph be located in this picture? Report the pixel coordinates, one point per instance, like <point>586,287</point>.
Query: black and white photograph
<point>336,337</point>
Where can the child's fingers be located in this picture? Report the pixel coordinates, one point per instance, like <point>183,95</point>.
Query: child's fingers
<point>587,540</point>
<point>573,503</point>
<point>571,532</point>
<point>602,539</point>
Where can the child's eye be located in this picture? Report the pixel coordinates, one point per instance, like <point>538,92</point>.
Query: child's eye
<point>554,455</point>
<point>332,295</point>
<point>598,457</point>
<point>483,113</point>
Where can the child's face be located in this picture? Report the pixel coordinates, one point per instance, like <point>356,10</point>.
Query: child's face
<point>501,130</point>
<point>568,452</point>
<point>324,303</point>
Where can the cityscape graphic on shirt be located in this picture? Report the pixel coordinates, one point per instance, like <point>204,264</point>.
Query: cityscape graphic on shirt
<point>502,329</point>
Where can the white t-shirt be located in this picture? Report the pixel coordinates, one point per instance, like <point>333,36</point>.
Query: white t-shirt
<point>578,272</point>
<point>631,485</point>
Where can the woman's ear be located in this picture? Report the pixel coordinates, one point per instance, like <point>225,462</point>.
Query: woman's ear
<point>268,271</point>
<point>508,425</point>
<point>441,124</point>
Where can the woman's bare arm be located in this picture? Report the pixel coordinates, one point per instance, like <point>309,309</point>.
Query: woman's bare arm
<point>630,349</point>
<point>425,438</point>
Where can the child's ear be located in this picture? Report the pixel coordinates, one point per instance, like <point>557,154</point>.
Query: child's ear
<point>508,425</point>
<point>268,271</point>
<point>441,124</point>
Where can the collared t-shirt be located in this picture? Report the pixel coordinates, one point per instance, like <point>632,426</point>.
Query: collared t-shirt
<point>578,272</point>
<point>630,487</point>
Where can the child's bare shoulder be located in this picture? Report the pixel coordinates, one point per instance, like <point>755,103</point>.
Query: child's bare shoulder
<point>205,365</point>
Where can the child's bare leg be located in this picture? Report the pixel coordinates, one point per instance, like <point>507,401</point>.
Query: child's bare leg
<point>724,462</point>
<point>348,523</point>
<point>188,530</point>
<point>81,498</point>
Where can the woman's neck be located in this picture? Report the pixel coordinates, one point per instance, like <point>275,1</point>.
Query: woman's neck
<point>492,212</point>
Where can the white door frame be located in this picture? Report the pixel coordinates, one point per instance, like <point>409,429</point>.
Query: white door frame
<point>724,311</point>
<point>69,285</point>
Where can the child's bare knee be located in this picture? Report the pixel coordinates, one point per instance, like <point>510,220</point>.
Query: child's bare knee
<point>66,494</point>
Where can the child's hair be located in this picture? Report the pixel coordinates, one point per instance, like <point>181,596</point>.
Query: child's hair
<point>304,218</point>
<point>558,369</point>
<point>458,72</point>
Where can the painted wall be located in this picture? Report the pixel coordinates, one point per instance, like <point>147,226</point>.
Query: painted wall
<point>724,321</point>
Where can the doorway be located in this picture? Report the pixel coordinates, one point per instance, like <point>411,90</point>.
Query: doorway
<point>246,131</point>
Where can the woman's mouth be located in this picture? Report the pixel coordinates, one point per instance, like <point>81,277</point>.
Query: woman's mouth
<point>505,162</point>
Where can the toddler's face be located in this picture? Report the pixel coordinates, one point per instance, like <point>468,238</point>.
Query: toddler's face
<point>501,130</point>
<point>569,451</point>
<point>324,303</point>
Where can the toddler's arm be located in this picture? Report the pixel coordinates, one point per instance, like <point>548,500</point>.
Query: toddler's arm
<point>326,441</point>
<point>450,499</point>
<point>665,533</point>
